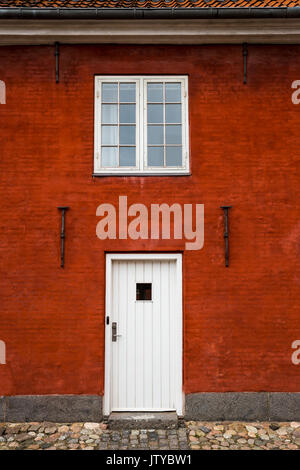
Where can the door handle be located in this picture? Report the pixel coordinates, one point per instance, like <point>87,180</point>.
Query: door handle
<point>114,335</point>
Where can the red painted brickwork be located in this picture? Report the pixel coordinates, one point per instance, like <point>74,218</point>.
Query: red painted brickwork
<point>239,323</point>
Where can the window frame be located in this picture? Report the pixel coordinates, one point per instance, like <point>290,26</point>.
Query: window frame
<point>141,167</point>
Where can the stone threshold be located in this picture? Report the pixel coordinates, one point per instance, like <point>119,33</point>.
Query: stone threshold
<point>143,420</point>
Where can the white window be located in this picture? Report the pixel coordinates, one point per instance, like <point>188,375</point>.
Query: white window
<point>141,125</point>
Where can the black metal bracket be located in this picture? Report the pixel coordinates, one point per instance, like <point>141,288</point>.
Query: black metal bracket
<point>57,52</point>
<point>245,55</point>
<point>226,234</point>
<point>63,210</point>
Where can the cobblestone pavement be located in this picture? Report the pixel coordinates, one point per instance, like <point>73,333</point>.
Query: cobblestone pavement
<point>195,435</point>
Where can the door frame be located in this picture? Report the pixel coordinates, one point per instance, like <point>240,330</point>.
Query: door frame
<point>110,257</point>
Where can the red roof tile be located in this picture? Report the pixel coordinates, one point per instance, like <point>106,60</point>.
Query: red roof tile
<point>148,3</point>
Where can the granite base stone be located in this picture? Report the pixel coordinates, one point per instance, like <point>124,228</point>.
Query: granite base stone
<point>55,408</point>
<point>212,406</point>
<point>284,406</point>
<point>2,408</point>
<point>243,406</point>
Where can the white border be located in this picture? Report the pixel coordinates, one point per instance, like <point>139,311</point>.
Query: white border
<point>141,168</point>
<point>178,326</point>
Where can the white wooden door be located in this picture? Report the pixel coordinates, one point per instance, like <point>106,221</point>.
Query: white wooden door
<point>145,335</point>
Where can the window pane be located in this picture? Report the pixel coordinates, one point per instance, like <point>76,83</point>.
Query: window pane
<point>173,135</point>
<point>127,92</point>
<point>174,156</point>
<point>173,113</point>
<point>143,291</point>
<point>155,113</point>
<point>155,135</point>
<point>155,156</point>
<point>109,135</point>
<point>109,114</point>
<point>155,92</point>
<point>127,135</point>
<point>173,92</point>
<point>109,156</point>
<point>109,92</point>
<point>127,113</point>
<point>127,156</point>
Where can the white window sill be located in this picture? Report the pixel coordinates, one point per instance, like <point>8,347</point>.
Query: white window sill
<point>174,173</point>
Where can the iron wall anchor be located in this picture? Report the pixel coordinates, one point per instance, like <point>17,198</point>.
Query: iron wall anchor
<point>63,210</point>
<point>226,233</point>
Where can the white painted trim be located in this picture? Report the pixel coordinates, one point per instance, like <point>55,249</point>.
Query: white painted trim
<point>205,31</point>
<point>141,167</point>
<point>97,124</point>
<point>179,329</point>
<point>142,410</point>
<point>107,359</point>
<point>185,168</point>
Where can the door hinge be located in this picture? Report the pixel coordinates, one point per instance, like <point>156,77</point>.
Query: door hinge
<point>107,320</point>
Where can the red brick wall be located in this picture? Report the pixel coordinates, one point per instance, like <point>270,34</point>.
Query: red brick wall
<point>239,323</point>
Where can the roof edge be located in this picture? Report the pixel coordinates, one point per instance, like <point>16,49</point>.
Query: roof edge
<point>27,13</point>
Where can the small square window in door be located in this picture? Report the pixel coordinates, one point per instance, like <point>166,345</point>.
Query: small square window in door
<point>143,291</point>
